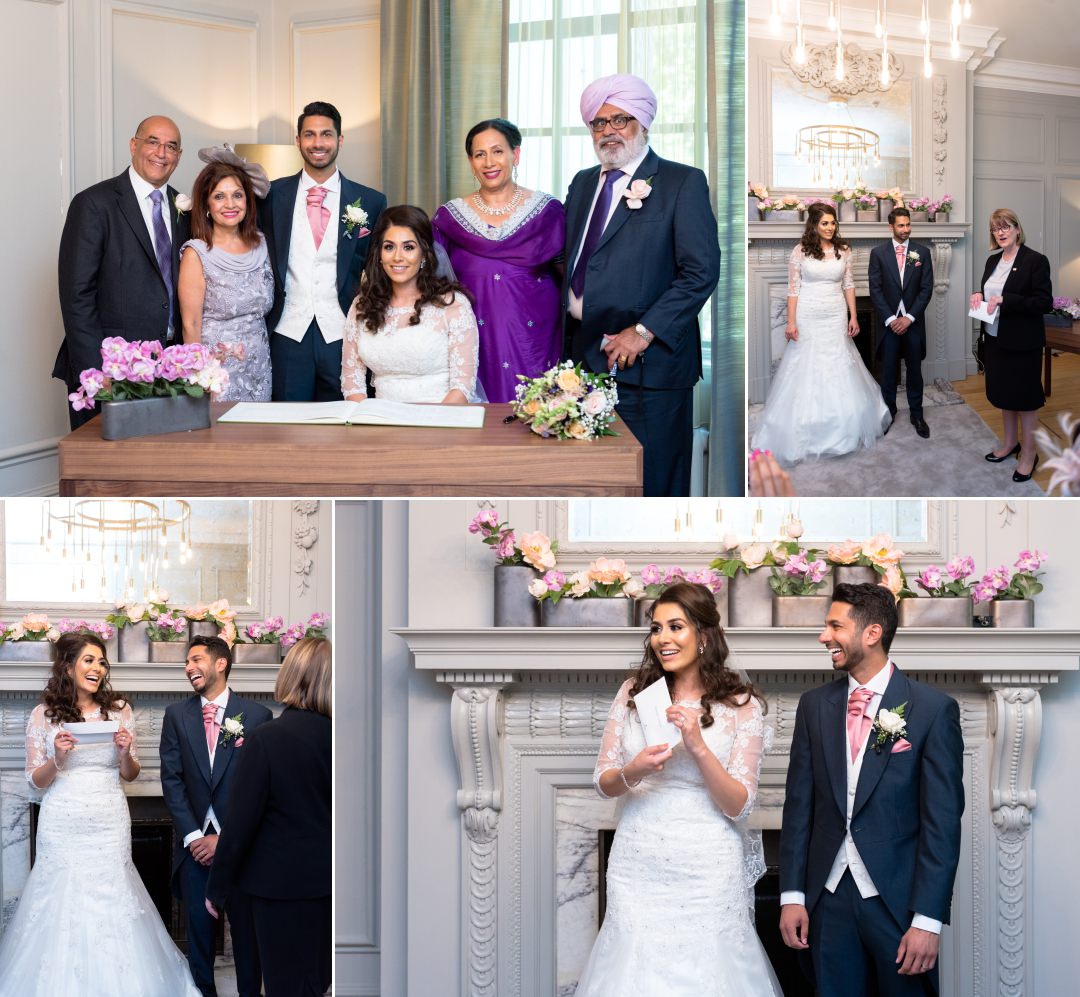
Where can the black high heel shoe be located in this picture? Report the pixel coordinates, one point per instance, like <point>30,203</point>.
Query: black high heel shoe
<point>1018,477</point>
<point>995,459</point>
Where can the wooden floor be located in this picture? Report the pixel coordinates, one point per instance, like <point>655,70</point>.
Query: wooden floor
<point>1065,398</point>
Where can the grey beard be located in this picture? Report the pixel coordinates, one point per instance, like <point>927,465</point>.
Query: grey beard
<point>617,156</point>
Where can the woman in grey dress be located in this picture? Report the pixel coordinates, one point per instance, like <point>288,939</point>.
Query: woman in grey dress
<point>226,286</point>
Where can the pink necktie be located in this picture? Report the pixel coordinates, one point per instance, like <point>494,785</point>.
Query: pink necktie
<point>900,258</point>
<point>317,214</point>
<point>858,722</point>
<point>209,719</point>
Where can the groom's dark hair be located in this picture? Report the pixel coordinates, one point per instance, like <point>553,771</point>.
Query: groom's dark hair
<point>870,604</point>
<point>216,648</point>
<point>897,212</point>
<point>319,109</point>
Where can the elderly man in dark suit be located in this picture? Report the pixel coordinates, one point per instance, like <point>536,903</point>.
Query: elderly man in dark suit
<point>120,255</point>
<point>870,839</point>
<point>642,259</point>
<point>317,253</point>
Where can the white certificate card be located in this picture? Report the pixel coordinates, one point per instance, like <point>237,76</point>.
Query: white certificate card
<point>652,704</point>
<point>983,315</point>
<point>93,731</point>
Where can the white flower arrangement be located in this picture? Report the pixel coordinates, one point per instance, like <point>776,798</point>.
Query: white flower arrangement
<point>890,725</point>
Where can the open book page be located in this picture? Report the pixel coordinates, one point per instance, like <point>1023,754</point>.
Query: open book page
<point>373,412</point>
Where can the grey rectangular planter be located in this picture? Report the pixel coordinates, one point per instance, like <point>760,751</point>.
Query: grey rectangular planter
<point>784,215</point>
<point>154,416</point>
<point>588,613</point>
<point>1012,612</point>
<point>26,650</point>
<point>514,605</point>
<point>168,651</point>
<point>202,628</point>
<point>133,642</point>
<point>800,610</point>
<point>944,611</point>
<point>643,606</point>
<point>884,206</point>
<point>866,214</point>
<point>854,574</point>
<point>846,211</point>
<point>257,654</point>
<point>919,217</point>
<point>750,599</point>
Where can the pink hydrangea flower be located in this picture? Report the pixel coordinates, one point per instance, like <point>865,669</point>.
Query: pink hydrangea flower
<point>650,575</point>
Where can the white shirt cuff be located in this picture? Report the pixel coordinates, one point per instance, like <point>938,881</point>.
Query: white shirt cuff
<point>793,897</point>
<point>189,838</point>
<point>926,923</point>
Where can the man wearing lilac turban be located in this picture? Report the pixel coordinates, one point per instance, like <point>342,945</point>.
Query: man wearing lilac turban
<point>642,259</point>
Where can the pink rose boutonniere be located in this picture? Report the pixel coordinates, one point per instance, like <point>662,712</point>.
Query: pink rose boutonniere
<point>636,192</point>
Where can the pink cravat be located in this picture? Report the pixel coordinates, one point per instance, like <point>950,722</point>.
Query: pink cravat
<point>209,719</point>
<point>900,258</point>
<point>858,722</point>
<point>317,214</point>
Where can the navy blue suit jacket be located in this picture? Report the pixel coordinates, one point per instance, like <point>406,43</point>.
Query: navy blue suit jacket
<point>656,265</point>
<point>109,280</point>
<point>886,291</point>
<point>276,219</point>
<point>906,816</point>
<point>187,783</point>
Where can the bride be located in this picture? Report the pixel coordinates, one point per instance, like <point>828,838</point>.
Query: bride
<point>85,925</point>
<point>680,875</point>
<point>823,401</point>
<point>414,330</point>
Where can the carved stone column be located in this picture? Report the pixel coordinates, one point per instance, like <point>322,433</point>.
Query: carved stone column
<point>942,249</point>
<point>474,726</point>
<point>1016,727</point>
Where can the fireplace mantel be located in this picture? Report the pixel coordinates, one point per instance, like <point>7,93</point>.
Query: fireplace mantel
<point>532,703</point>
<point>159,677</point>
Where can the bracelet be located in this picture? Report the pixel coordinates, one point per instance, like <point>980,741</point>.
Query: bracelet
<point>622,775</point>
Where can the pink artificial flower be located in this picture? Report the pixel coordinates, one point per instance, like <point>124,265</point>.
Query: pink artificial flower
<point>1029,560</point>
<point>999,578</point>
<point>554,580</point>
<point>930,579</point>
<point>817,570</point>
<point>960,568</point>
<point>505,547</point>
<point>650,575</point>
<point>984,591</point>
<point>673,575</point>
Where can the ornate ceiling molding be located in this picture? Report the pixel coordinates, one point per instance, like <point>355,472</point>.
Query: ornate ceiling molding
<point>862,69</point>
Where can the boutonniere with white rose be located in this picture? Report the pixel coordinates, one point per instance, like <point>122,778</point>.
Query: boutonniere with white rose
<point>890,725</point>
<point>233,730</point>
<point>182,203</point>
<point>914,258</point>
<point>355,216</point>
<point>636,192</point>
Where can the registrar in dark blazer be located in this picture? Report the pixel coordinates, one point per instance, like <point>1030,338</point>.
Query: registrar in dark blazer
<point>109,280</point>
<point>906,816</point>
<point>1027,296</point>
<point>886,292</point>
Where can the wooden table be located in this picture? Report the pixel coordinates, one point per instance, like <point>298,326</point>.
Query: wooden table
<point>250,460</point>
<point>1064,339</point>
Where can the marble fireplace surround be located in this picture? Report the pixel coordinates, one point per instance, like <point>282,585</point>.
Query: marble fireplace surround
<point>152,687</point>
<point>948,346</point>
<point>526,711</point>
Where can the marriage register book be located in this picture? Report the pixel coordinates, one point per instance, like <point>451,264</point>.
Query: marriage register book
<point>373,412</point>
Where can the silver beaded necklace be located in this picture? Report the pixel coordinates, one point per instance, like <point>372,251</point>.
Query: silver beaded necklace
<point>506,209</point>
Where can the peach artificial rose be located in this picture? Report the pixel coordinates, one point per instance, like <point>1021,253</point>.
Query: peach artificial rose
<point>845,553</point>
<point>35,623</point>
<point>881,551</point>
<point>536,549</point>
<point>893,580</point>
<point>753,555</point>
<point>220,612</point>
<point>608,570</point>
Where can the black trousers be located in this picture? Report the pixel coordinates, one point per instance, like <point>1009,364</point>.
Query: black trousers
<point>296,945</point>
<point>308,371</point>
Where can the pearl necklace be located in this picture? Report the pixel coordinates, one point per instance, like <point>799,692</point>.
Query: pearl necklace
<point>506,209</point>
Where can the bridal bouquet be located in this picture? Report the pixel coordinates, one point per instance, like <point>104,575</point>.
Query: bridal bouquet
<point>1024,584</point>
<point>148,370</point>
<point>533,549</point>
<point>567,402</point>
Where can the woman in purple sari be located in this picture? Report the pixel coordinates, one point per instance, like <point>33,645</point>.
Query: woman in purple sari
<point>505,243</point>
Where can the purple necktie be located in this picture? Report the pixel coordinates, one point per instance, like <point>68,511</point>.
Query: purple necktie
<point>596,229</point>
<point>163,250</point>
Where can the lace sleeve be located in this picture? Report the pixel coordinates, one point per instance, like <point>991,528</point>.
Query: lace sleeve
<point>750,743</point>
<point>611,754</point>
<point>353,371</point>
<point>39,747</point>
<point>847,282</point>
<point>794,272</point>
<point>463,342</point>
<point>127,721</point>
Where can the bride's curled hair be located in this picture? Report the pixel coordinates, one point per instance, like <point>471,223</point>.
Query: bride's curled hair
<point>60,697</point>
<point>721,684</point>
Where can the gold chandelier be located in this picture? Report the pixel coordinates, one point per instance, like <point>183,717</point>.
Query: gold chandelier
<point>128,539</point>
<point>836,153</point>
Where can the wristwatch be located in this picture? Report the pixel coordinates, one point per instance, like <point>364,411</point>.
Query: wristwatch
<point>643,333</point>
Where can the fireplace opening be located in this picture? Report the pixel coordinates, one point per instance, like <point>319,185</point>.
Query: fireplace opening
<point>871,329</point>
<point>152,837</point>
<point>788,964</point>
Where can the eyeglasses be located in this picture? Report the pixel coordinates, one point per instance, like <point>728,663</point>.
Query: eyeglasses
<point>617,121</point>
<point>171,148</point>
<point>1002,227</point>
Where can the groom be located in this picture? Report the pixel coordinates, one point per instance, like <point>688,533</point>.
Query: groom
<point>197,765</point>
<point>871,829</point>
<point>901,278</point>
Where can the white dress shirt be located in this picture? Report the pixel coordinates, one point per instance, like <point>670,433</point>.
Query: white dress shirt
<point>143,189</point>
<point>575,303</point>
<point>210,820</point>
<point>848,856</point>
<point>311,289</point>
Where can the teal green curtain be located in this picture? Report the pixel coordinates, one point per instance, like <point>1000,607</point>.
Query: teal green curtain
<point>727,180</point>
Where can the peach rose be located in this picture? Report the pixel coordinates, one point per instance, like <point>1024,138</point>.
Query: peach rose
<point>608,570</point>
<point>35,623</point>
<point>753,555</point>
<point>569,381</point>
<point>580,583</point>
<point>577,431</point>
<point>846,553</point>
<point>531,408</point>
<point>536,549</point>
<point>221,612</point>
<point>881,551</point>
<point>893,580</point>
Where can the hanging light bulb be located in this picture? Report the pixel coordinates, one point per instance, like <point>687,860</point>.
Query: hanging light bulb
<point>774,17</point>
<point>831,21</point>
<point>927,66</point>
<point>967,10</point>
<point>956,12</point>
<point>924,19</point>
<point>839,60</point>
<point>884,78</point>
<point>879,27</point>
<point>954,44</point>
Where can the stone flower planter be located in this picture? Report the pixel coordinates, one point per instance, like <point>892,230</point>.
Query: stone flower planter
<point>26,650</point>
<point>940,612</point>
<point>154,416</point>
<point>800,610</point>
<point>642,607</point>
<point>1012,613</point>
<point>618,612</point>
<point>750,599</point>
<point>753,209</point>
<point>168,651</point>
<point>854,574</point>
<point>133,643</point>
<point>846,211</point>
<point>257,654</point>
<point>514,606</point>
<point>919,217</point>
<point>202,628</point>
<point>884,206</point>
<point>784,215</point>
<point>941,216</point>
<point>866,214</point>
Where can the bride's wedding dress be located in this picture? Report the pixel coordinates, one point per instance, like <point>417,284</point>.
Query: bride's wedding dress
<point>85,925</point>
<point>823,401</point>
<point>681,872</point>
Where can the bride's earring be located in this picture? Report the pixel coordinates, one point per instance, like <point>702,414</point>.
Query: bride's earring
<point>701,649</point>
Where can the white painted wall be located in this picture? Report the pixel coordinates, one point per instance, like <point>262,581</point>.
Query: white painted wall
<point>226,70</point>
